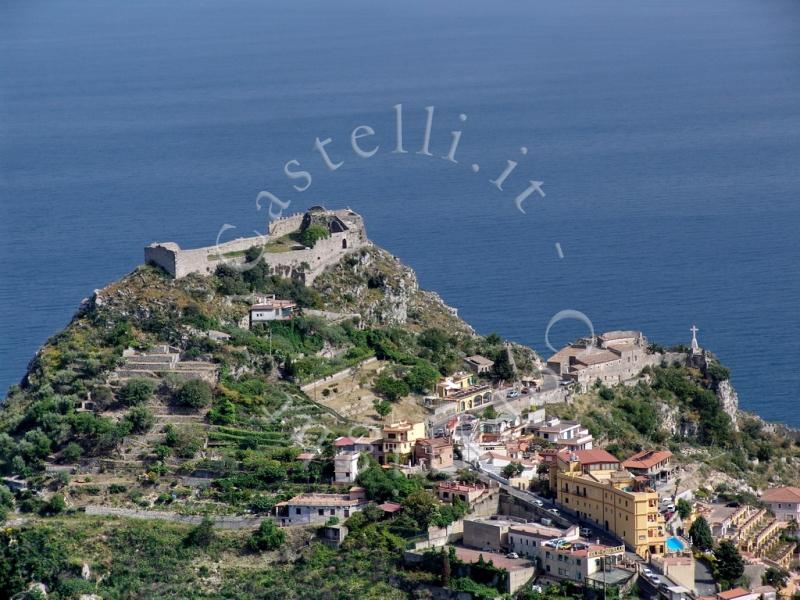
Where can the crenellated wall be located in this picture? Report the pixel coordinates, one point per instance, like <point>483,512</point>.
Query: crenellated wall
<point>305,264</point>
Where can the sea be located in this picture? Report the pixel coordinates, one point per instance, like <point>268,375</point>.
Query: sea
<point>653,146</point>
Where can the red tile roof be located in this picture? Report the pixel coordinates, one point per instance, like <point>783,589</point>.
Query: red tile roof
<point>734,593</point>
<point>646,459</point>
<point>589,457</point>
<point>781,494</point>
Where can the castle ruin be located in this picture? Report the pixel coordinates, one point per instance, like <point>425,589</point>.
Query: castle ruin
<point>347,234</point>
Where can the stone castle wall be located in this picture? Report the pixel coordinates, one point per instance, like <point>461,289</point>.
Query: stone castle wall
<point>305,265</point>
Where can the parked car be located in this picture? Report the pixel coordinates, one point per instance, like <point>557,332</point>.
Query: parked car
<point>512,555</point>
<point>538,502</point>
<point>553,511</point>
<point>647,572</point>
<point>655,580</point>
<point>585,532</point>
<point>512,394</point>
<point>439,432</point>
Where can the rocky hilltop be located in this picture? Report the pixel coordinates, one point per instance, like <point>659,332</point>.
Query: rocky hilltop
<point>163,394</point>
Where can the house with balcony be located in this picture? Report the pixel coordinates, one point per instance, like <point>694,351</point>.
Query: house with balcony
<point>433,453</point>
<point>656,465</point>
<point>564,434</point>
<point>784,502</point>
<point>269,308</point>
<point>449,491</point>
<point>399,440</point>
<point>462,389</point>
<point>593,484</point>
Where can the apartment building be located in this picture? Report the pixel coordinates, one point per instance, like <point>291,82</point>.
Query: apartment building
<point>593,484</point>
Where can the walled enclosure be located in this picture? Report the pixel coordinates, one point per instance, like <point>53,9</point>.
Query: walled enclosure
<point>347,234</point>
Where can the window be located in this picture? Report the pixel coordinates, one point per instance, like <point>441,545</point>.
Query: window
<point>333,511</point>
<point>297,511</point>
<point>321,511</point>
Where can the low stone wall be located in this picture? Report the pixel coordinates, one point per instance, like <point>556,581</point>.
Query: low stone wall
<point>220,522</point>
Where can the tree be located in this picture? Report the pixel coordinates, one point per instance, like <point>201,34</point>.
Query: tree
<point>202,535</point>
<point>684,508</point>
<point>489,412</point>
<point>195,393</point>
<point>513,469</point>
<point>312,234</point>
<point>422,377</point>
<point>422,507</point>
<point>268,536</point>
<point>730,566</point>
<point>71,453</point>
<point>390,388</point>
<point>56,505</point>
<point>382,407</point>
<point>139,419</point>
<point>777,578</point>
<point>502,368</point>
<point>700,534</point>
<point>136,391</point>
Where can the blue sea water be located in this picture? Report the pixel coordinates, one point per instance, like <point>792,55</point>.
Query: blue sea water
<point>667,135</point>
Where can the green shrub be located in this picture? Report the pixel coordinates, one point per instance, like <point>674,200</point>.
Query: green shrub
<point>268,536</point>
<point>136,391</point>
<point>312,234</point>
<point>195,393</point>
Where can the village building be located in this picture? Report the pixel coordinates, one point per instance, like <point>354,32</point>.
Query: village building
<point>345,467</point>
<point>593,484</point>
<point>433,453</point>
<point>399,439</point>
<point>269,308</point>
<point>656,465</point>
<point>680,569</point>
<point>309,509</point>
<point>613,357</point>
<point>562,555</point>
<point>564,434</point>
<point>478,364</point>
<point>581,562</point>
<point>487,533</point>
<point>737,594</point>
<point>784,502</point>
<point>461,389</point>
<point>449,491</point>
<point>520,571</point>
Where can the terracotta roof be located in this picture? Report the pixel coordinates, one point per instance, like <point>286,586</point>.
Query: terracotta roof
<point>781,494</point>
<point>343,441</point>
<point>390,507</point>
<point>480,360</point>
<point>321,500</point>
<point>596,357</point>
<point>734,593</point>
<point>646,459</point>
<point>433,442</point>
<point>590,457</point>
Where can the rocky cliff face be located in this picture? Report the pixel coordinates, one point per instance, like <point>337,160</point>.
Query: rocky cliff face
<point>384,291</point>
<point>729,400</point>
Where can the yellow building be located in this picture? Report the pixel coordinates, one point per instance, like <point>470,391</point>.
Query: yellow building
<point>399,439</point>
<point>461,389</point>
<point>593,484</point>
